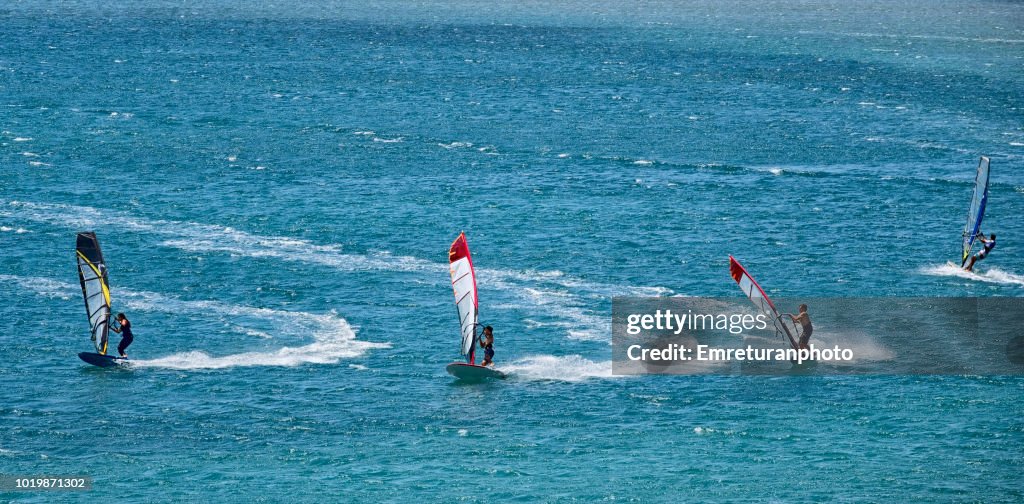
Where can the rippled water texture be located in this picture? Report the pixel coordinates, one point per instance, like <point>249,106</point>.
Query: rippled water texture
<point>275,187</point>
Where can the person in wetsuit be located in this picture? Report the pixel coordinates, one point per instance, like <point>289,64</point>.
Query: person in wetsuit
<point>805,324</point>
<point>125,330</point>
<point>487,343</point>
<point>983,253</point>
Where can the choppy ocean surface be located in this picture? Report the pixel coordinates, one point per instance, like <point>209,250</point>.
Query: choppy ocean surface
<point>275,187</point>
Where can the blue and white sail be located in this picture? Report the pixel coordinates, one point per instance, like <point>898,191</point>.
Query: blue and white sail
<point>977,210</point>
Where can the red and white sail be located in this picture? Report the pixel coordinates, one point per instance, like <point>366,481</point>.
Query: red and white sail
<point>464,286</point>
<point>756,294</point>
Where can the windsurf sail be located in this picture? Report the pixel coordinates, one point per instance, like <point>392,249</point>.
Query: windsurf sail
<point>92,272</point>
<point>977,209</point>
<point>756,294</point>
<point>464,285</point>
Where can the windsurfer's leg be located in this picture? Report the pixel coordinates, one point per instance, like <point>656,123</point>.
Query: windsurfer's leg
<point>805,338</point>
<point>121,347</point>
<point>977,257</point>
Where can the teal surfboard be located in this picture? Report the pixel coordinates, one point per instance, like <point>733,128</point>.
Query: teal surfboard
<point>470,372</point>
<point>102,360</point>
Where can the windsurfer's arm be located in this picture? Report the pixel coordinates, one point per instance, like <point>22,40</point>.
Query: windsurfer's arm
<point>114,327</point>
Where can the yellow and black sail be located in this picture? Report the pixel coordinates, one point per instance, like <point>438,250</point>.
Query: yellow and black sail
<point>92,272</point>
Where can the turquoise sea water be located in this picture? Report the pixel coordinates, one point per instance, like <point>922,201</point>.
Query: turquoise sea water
<point>275,187</point>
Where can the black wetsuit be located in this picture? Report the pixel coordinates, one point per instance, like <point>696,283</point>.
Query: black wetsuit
<point>126,337</point>
<point>489,352</point>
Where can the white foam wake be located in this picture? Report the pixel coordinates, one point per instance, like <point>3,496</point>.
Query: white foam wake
<point>865,347</point>
<point>569,301</point>
<point>991,275</point>
<point>329,351</point>
<point>333,337</point>
<point>571,368</point>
